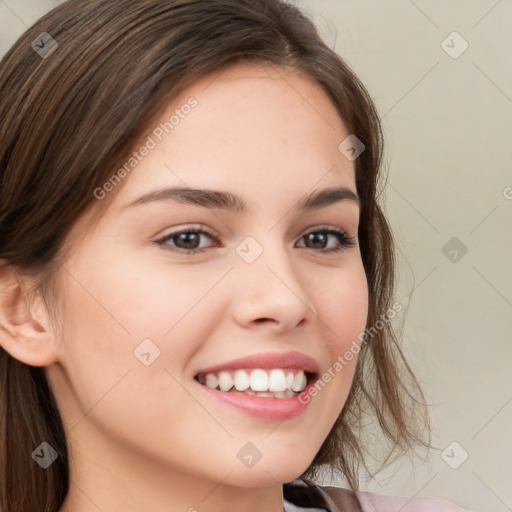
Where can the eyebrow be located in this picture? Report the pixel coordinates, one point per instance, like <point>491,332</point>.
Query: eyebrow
<point>208,198</point>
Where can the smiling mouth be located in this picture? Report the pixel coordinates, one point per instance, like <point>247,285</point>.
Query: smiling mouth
<point>268,383</point>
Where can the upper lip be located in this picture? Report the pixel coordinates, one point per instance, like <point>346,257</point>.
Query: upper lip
<point>268,360</point>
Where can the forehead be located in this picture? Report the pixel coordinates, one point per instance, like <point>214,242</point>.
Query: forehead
<point>263,92</point>
<point>248,123</point>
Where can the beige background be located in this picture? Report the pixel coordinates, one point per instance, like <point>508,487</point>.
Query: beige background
<point>448,126</point>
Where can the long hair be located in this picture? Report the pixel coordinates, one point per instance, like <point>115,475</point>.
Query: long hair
<point>71,116</point>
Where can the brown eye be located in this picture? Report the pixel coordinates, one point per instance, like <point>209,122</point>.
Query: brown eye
<point>187,241</point>
<point>320,239</point>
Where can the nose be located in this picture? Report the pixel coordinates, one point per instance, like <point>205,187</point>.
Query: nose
<point>271,292</point>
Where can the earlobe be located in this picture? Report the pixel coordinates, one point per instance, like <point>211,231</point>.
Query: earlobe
<point>24,327</point>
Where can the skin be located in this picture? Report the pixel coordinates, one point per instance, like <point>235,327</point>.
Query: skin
<point>144,437</point>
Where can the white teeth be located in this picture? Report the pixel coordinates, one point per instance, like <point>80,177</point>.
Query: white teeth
<point>259,380</point>
<point>276,381</point>
<point>211,380</point>
<point>225,381</point>
<point>299,381</point>
<point>241,380</point>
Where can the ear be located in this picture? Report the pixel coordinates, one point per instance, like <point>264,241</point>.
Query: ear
<point>25,330</point>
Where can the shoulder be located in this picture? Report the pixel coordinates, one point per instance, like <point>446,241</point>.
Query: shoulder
<point>375,502</point>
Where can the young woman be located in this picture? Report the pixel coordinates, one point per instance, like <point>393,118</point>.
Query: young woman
<point>196,276</point>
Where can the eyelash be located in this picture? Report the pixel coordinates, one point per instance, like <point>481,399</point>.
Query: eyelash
<point>344,240</point>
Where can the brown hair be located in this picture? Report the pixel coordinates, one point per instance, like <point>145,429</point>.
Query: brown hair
<point>69,119</point>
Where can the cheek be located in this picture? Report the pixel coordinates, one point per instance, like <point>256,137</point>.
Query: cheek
<point>343,307</point>
<point>343,311</point>
<point>112,310</point>
<point>108,313</point>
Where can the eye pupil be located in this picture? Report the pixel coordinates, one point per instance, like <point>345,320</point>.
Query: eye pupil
<point>317,238</point>
<point>189,238</point>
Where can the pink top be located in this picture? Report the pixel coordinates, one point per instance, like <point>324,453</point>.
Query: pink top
<point>300,497</point>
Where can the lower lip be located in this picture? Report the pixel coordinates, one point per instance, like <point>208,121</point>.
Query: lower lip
<point>267,408</point>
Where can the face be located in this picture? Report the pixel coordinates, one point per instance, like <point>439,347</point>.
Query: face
<point>143,317</point>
